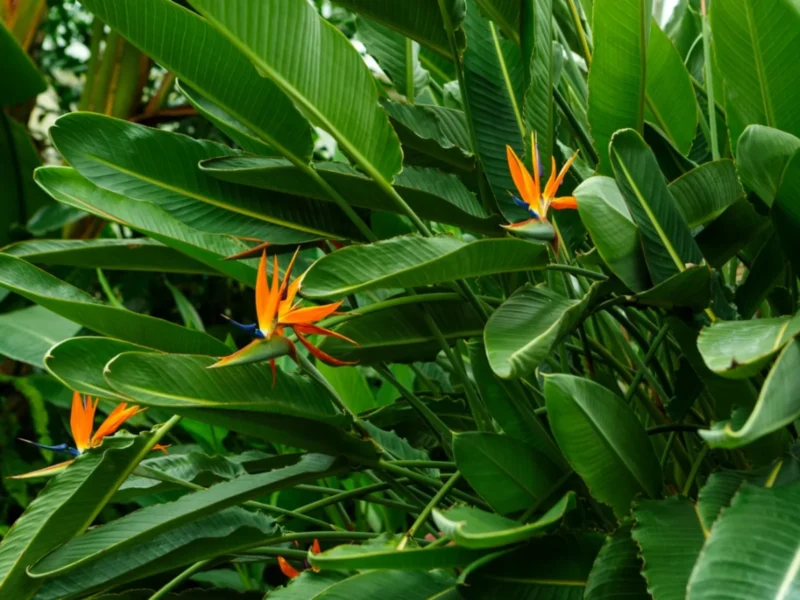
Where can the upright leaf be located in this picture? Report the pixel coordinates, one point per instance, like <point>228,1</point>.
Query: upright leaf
<point>761,158</point>
<point>28,333</point>
<point>505,13</point>
<point>617,75</point>
<point>17,69</point>
<point>616,571</point>
<point>308,58</point>
<point>706,192</point>
<point>786,212</point>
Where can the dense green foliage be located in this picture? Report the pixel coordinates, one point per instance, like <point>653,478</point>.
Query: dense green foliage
<point>531,329</point>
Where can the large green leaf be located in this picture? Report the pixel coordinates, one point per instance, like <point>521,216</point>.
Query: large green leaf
<point>761,158</point>
<point>145,524</point>
<point>505,13</point>
<point>510,474</point>
<point>182,42</point>
<point>705,192</point>
<point>473,528</point>
<point>215,535</point>
<point>603,440</point>
<point>615,235</point>
<point>616,571</point>
<point>691,288</point>
<point>667,241</point>
<point>400,334</point>
<point>670,100</point>
<point>494,80</point>
<point>70,188</point>
<point>753,44</point>
<point>78,306</point>
<point>670,536</point>
<point>161,167</point>
<point>523,331</point>
<point>740,349</point>
<point>778,405</point>
<point>139,254</point>
<point>397,56</point>
<point>22,78</point>
<point>65,508</point>
<point>412,261</point>
<point>617,75</point>
<point>732,231</point>
<point>420,20</point>
<point>786,211</point>
<point>433,195</point>
<point>27,334</point>
<point>388,585</point>
<point>754,548</point>
<point>308,58</point>
<point>295,410</point>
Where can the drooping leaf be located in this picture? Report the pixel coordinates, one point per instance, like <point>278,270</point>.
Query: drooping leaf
<point>524,330</point>
<point>510,474</point>
<point>603,441</point>
<point>670,536</point>
<point>474,528</point>
<point>412,261</point>
<point>18,70</point>
<point>767,565</point>
<point>308,59</point>
<point>752,46</point>
<point>432,194</point>
<point>139,254</point>
<point>70,188</point>
<point>617,75</point>
<point>27,334</point>
<point>667,241</point>
<point>761,157</point>
<point>78,306</point>
<point>616,571</point>
<point>161,167</point>
<point>706,192</point>
<point>732,231</point>
<point>615,235</point>
<point>740,349</point>
<point>231,82</point>
<point>777,405</point>
<point>691,287</point>
<point>397,56</point>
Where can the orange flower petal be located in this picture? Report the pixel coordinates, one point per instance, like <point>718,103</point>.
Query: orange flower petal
<point>114,421</point>
<point>162,447</point>
<point>315,549</point>
<point>262,290</point>
<point>266,322</point>
<point>565,202</point>
<point>46,472</point>
<point>310,314</point>
<point>287,569</point>
<point>81,420</point>
<point>308,329</point>
<point>522,178</point>
<point>324,357</point>
<point>288,273</point>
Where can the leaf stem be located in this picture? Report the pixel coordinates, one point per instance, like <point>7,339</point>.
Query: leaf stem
<point>428,509</point>
<point>587,54</point>
<point>709,72</point>
<point>695,468</point>
<point>392,468</point>
<point>180,578</point>
<point>576,271</point>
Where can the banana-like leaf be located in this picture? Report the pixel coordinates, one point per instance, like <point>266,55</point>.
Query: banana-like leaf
<point>28,333</point>
<point>761,157</point>
<point>617,75</point>
<point>308,58</point>
<point>231,81</point>
<point>740,349</point>
<point>18,70</point>
<point>764,567</point>
<point>670,535</point>
<point>400,334</point>
<point>603,440</point>
<point>767,270</point>
<point>70,188</point>
<point>78,306</point>
<point>389,585</point>
<point>161,167</point>
<point>412,261</point>
<point>433,195</point>
<point>78,363</point>
<point>396,446</point>
<point>706,192</point>
<point>509,474</point>
<point>537,35</point>
<point>505,13</point>
<point>691,288</point>
<point>732,231</point>
<point>295,410</point>
<point>146,524</point>
<point>777,405</point>
<point>419,20</point>
<point>615,235</point>
<point>474,528</point>
<point>667,240</point>
<point>494,80</point>
<point>235,130</point>
<point>753,44</point>
<point>435,131</point>
<point>523,331</point>
<point>382,553</point>
<point>140,254</point>
<point>785,212</point>
<point>397,56</point>
<point>65,508</point>
<point>669,95</point>
<point>616,571</point>
<point>222,533</point>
